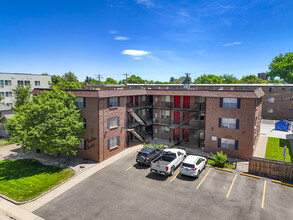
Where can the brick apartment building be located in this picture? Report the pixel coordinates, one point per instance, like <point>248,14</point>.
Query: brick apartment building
<point>214,119</point>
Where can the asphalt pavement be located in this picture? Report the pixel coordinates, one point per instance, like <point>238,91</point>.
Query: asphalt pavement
<point>125,190</point>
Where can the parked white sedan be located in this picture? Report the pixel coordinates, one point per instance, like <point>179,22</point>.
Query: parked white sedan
<point>193,166</point>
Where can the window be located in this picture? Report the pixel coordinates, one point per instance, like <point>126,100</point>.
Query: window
<point>165,98</point>
<point>229,103</point>
<point>228,144</point>
<point>156,130</point>
<point>2,94</point>
<point>80,102</point>
<point>271,100</point>
<point>291,99</point>
<point>290,109</point>
<point>230,123</point>
<point>113,102</point>
<point>8,94</point>
<point>271,90</point>
<point>37,83</point>
<point>284,89</point>
<point>282,109</point>
<point>165,129</point>
<point>291,89</point>
<point>26,82</point>
<point>143,112</point>
<point>113,122</point>
<point>20,82</point>
<point>283,99</point>
<point>113,142</point>
<point>84,123</point>
<point>165,114</point>
<point>143,98</point>
<point>82,145</point>
<point>270,110</point>
<point>7,82</point>
<point>9,104</point>
<point>1,83</point>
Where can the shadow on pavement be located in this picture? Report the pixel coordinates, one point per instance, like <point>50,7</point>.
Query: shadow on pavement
<point>141,167</point>
<point>155,176</point>
<point>186,178</point>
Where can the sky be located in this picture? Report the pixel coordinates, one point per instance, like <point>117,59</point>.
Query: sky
<point>154,39</point>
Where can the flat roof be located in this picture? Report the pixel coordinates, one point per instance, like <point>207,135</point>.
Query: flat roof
<point>24,74</point>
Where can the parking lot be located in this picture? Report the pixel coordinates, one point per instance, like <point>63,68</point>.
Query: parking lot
<point>125,190</point>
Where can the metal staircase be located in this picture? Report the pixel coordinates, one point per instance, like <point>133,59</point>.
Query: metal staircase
<point>136,134</point>
<point>174,126</point>
<point>137,117</point>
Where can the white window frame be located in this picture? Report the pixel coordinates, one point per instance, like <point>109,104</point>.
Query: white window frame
<point>166,98</point>
<point>113,142</point>
<point>228,144</point>
<point>228,123</point>
<point>113,102</point>
<point>143,112</point>
<point>8,94</point>
<point>143,98</point>
<point>1,83</point>
<point>270,110</point>
<point>79,102</point>
<point>81,145</point>
<point>7,82</point>
<point>113,122</point>
<point>165,129</point>
<point>166,114</point>
<point>230,102</point>
<point>37,83</point>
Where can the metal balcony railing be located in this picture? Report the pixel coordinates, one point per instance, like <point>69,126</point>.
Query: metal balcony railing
<point>172,105</point>
<point>138,104</point>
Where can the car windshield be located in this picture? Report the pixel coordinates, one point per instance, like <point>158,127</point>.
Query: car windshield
<point>142,154</point>
<point>168,156</point>
<point>188,165</point>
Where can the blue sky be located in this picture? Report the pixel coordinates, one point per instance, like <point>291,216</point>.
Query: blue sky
<point>154,39</point>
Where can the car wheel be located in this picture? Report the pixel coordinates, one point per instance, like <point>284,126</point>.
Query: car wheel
<point>172,171</point>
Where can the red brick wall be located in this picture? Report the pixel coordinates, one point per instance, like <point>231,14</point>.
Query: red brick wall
<point>90,113</point>
<point>245,134</point>
<point>104,133</point>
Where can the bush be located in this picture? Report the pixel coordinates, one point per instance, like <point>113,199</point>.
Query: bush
<point>220,159</point>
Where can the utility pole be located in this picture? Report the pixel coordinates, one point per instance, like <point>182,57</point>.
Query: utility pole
<point>126,78</point>
<point>99,78</point>
<point>187,83</point>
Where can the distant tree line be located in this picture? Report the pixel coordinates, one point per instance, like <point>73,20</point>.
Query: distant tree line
<point>281,71</point>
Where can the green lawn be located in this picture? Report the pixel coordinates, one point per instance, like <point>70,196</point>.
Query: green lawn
<point>25,179</point>
<point>3,142</point>
<point>275,147</point>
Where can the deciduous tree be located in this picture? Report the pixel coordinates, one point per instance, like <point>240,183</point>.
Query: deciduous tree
<point>50,122</point>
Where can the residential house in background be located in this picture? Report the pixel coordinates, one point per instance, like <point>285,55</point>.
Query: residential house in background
<point>5,113</point>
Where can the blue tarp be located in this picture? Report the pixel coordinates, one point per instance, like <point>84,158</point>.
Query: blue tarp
<point>284,125</point>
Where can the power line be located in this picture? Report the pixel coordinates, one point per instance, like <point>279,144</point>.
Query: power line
<point>126,74</point>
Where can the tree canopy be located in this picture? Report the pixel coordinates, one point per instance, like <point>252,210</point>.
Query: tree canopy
<point>282,67</point>
<point>50,122</point>
<point>22,95</point>
<point>67,81</point>
<point>208,79</point>
<point>251,79</point>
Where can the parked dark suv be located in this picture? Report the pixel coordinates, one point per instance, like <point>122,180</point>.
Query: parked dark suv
<point>147,155</point>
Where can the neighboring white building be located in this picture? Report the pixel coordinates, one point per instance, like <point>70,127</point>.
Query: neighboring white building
<point>9,81</point>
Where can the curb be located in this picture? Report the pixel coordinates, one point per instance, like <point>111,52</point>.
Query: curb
<point>225,170</point>
<point>252,176</point>
<point>15,212</point>
<point>282,183</point>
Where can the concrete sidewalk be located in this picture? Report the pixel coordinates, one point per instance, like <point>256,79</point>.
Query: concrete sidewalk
<point>32,206</point>
<point>261,146</point>
<point>24,212</point>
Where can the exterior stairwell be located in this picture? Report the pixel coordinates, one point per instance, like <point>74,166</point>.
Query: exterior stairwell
<point>137,117</point>
<point>174,126</point>
<point>136,134</point>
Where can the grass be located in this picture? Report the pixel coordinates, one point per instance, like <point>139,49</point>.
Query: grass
<point>23,180</point>
<point>228,165</point>
<point>275,148</point>
<point>3,142</point>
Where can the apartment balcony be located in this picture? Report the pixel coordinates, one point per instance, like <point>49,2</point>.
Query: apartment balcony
<point>146,119</point>
<point>139,105</point>
<point>162,121</point>
<point>172,106</point>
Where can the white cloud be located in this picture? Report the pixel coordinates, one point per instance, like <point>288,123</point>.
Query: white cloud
<point>112,32</point>
<point>137,58</point>
<point>231,44</point>
<point>121,38</point>
<point>147,3</point>
<point>135,53</point>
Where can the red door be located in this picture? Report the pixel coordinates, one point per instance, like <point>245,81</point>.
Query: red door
<point>176,101</point>
<point>186,103</point>
<point>130,99</point>
<point>186,116</point>
<point>176,117</point>
<point>130,136</point>
<point>176,134</point>
<point>130,118</point>
<point>186,135</point>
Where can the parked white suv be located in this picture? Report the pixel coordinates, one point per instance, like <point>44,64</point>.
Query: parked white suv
<point>193,166</point>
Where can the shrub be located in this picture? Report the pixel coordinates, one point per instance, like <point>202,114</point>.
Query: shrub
<point>220,159</point>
